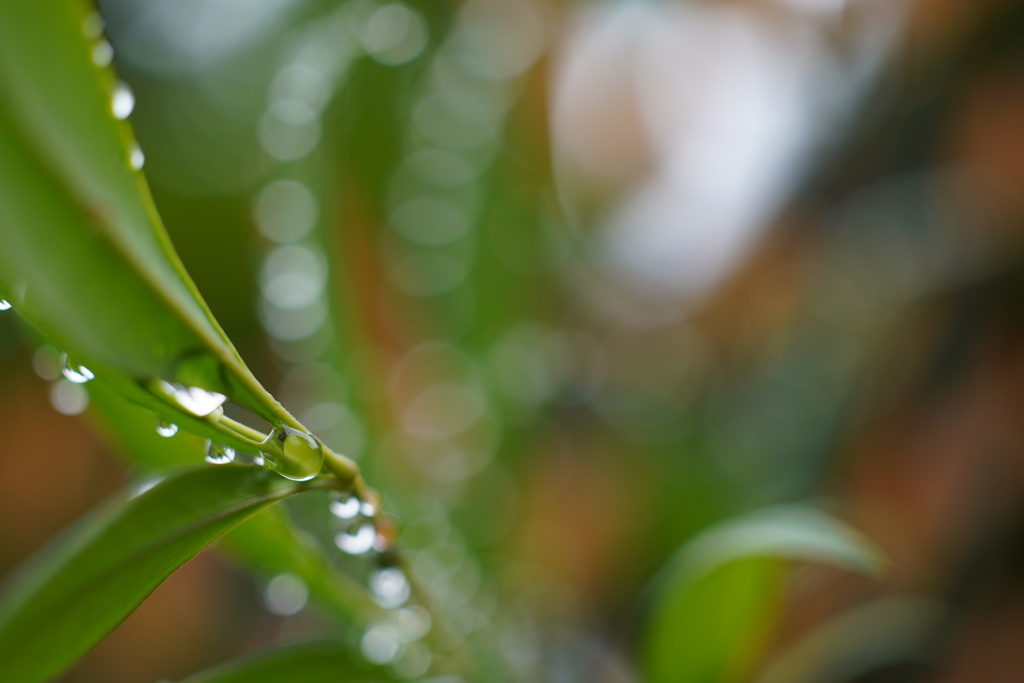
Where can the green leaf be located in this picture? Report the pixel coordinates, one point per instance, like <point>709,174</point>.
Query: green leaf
<point>84,257</point>
<point>326,661</point>
<point>68,598</point>
<point>268,542</point>
<point>716,601</point>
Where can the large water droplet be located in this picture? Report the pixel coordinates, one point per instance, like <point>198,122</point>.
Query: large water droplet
<point>389,587</point>
<point>345,508</point>
<point>356,542</point>
<point>79,374</point>
<point>4,305</point>
<point>199,402</point>
<point>218,453</point>
<point>122,102</point>
<point>136,159</point>
<point>166,429</point>
<point>303,455</point>
<point>102,54</point>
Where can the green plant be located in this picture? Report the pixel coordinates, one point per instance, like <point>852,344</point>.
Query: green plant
<point>86,262</point>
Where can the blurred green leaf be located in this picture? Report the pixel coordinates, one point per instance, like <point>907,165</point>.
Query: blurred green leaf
<point>68,598</point>
<point>718,597</point>
<point>326,661</point>
<point>861,640</point>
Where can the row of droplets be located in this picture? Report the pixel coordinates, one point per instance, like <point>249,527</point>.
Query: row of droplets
<point>395,639</point>
<point>122,99</point>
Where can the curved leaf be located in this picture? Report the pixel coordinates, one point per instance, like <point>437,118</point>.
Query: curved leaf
<point>67,599</point>
<point>719,595</point>
<point>268,542</point>
<point>84,257</point>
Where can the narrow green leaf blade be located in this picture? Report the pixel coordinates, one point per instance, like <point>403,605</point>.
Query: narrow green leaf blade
<point>268,542</point>
<point>90,579</point>
<point>326,661</point>
<point>717,599</point>
<point>84,257</point>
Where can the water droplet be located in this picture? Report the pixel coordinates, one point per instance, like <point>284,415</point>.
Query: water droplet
<point>381,644</point>
<point>218,453</point>
<point>303,455</point>
<point>79,374</point>
<point>199,402</point>
<point>122,102</point>
<point>4,305</point>
<point>285,595</point>
<point>166,429</point>
<point>93,25</point>
<point>136,159</point>
<point>345,508</point>
<point>68,398</point>
<point>368,509</point>
<point>389,588</point>
<point>357,542</point>
<point>102,54</point>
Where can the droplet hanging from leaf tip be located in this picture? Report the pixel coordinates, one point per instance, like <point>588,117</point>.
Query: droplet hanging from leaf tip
<point>218,453</point>
<point>357,542</point>
<point>79,374</point>
<point>166,429</point>
<point>194,400</point>
<point>346,508</point>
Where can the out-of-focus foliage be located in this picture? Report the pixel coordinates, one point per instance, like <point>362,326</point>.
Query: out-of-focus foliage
<point>574,282</point>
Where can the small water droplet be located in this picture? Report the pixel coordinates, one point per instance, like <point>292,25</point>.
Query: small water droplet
<point>102,54</point>
<point>79,374</point>
<point>368,509</point>
<point>136,159</point>
<point>93,25</point>
<point>199,402</point>
<point>122,102</point>
<point>345,508</point>
<point>218,453</point>
<point>303,455</point>
<point>389,587</point>
<point>4,305</point>
<point>166,429</point>
<point>358,542</point>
